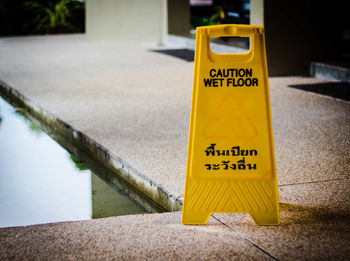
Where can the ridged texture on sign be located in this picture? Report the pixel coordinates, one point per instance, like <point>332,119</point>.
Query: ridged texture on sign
<point>231,196</point>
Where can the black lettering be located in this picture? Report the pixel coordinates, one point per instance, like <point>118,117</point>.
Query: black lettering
<point>234,82</point>
<point>234,73</point>
<point>207,82</point>
<point>230,71</point>
<point>255,82</point>
<point>221,79</point>
<point>212,71</point>
<point>249,72</point>
<point>241,72</point>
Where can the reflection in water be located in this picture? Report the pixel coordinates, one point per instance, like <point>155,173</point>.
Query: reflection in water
<point>40,182</point>
<point>0,118</point>
<point>32,127</point>
<point>108,202</point>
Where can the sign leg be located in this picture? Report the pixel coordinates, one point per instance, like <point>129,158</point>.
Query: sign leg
<point>268,218</point>
<point>195,218</point>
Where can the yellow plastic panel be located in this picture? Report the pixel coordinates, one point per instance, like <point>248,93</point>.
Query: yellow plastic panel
<point>230,163</point>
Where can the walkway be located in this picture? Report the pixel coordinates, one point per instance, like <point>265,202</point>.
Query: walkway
<point>136,104</point>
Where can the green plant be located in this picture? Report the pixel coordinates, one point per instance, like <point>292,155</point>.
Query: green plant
<point>51,16</point>
<point>214,19</point>
<point>78,164</point>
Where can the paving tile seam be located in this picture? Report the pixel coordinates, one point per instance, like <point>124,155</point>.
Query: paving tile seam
<point>135,178</point>
<point>246,239</point>
<point>312,182</point>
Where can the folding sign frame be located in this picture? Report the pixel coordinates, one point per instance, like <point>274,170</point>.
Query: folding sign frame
<point>230,164</point>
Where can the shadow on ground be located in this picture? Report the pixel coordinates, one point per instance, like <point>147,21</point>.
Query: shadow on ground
<point>340,90</point>
<point>313,233</point>
<point>184,54</point>
<point>295,214</point>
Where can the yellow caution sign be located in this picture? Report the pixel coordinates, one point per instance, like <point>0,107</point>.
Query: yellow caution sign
<point>230,164</point>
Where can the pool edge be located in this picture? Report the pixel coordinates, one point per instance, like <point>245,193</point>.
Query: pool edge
<point>63,133</point>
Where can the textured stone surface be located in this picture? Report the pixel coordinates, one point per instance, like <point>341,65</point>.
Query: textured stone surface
<point>311,133</point>
<point>314,223</point>
<point>136,104</point>
<point>138,237</point>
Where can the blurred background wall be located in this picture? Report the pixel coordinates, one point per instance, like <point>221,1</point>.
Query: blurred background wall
<point>297,32</point>
<point>179,17</point>
<point>127,20</point>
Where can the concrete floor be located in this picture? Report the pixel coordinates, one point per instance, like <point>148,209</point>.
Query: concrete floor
<point>136,103</point>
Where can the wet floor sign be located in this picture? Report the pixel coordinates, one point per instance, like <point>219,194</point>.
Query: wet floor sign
<point>230,164</point>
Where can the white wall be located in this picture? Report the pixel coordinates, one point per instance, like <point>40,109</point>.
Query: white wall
<point>257,12</point>
<point>126,20</point>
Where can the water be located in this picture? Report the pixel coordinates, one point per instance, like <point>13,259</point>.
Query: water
<point>40,182</point>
